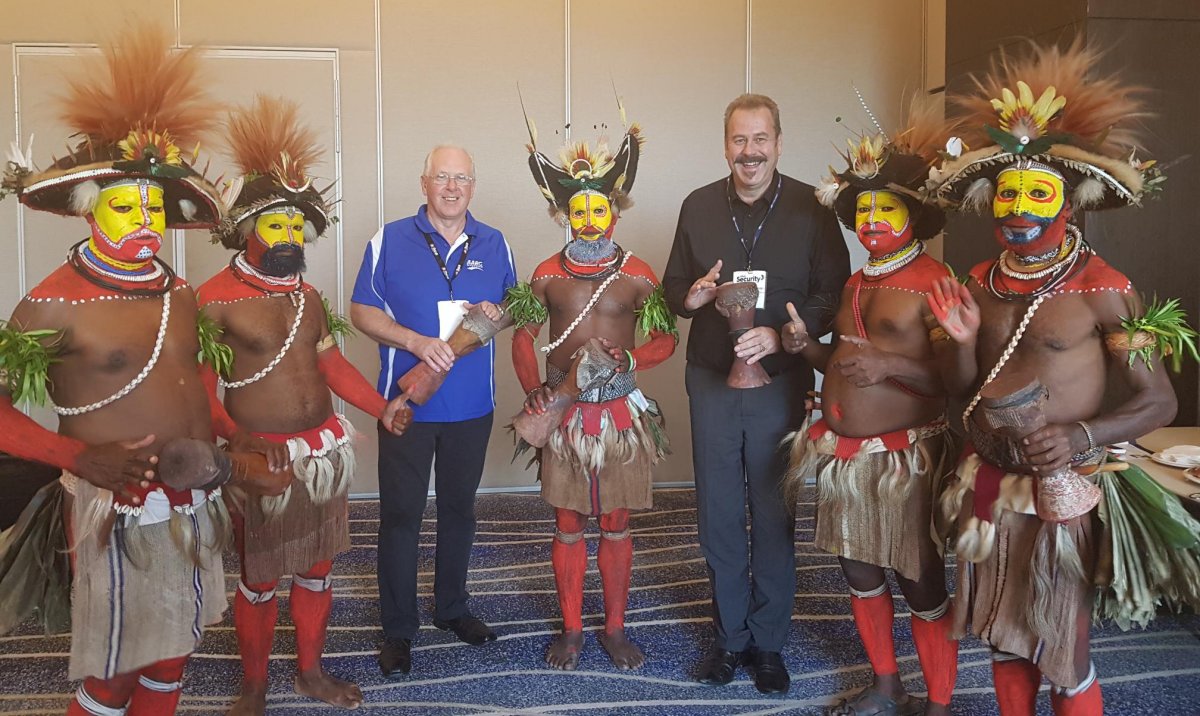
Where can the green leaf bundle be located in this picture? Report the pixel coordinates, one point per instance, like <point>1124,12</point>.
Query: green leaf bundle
<point>213,352</point>
<point>339,327</point>
<point>656,315</point>
<point>523,306</point>
<point>1166,323</point>
<point>25,360</point>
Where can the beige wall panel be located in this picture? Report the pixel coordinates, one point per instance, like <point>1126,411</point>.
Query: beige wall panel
<point>359,213</point>
<point>278,23</point>
<point>10,289</point>
<point>460,86</point>
<point>676,68</point>
<point>76,21</point>
<point>47,236</point>
<point>808,61</point>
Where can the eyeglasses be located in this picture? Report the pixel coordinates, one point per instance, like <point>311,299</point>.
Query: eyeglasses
<point>442,178</point>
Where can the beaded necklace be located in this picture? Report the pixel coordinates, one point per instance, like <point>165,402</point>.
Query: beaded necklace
<point>876,268</point>
<point>88,267</point>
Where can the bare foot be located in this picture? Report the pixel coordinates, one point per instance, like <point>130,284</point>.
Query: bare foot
<point>564,652</point>
<point>624,653</point>
<point>252,702</point>
<point>332,690</point>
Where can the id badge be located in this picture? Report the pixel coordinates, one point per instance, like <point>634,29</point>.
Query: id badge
<point>450,316</point>
<point>758,278</point>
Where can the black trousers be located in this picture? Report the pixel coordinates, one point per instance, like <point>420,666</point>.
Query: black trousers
<point>456,450</point>
<point>738,462</point>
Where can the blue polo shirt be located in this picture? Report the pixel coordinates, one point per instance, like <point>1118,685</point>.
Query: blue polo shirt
<point>401,277</point>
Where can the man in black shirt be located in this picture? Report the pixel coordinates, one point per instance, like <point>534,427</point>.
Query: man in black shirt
<point>755,224</point>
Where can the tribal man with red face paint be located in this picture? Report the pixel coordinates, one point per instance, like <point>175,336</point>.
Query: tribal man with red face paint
<point>285,362</point>
<point>1035,336</point>
<point>145,530</point>
<point>878,451</point>
<point>598,461</point>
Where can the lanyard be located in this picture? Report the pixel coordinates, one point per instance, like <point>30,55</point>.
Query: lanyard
<point>757,232</point>
<point>462,259</point>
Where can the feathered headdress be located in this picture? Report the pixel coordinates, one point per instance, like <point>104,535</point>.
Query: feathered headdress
<point>582,169</point>
<point>138,111</point>
<point>899,164</point>
<point>1044,109</point>
<point>273,151</point>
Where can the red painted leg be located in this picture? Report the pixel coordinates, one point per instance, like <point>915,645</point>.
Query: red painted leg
<point>102,697</point>
<point>1083,700</point>
<point>158,688</point>
<point>568,554</point>
<point>873,615</point>
<point>1016,682</point>
<point>311,602</point>
<point>938,653</point>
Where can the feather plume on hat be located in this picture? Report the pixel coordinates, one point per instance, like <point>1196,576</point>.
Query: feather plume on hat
<point>898,163</point>
<point>274,151</point>
<point>1049,106</point>
<point>138,110</point>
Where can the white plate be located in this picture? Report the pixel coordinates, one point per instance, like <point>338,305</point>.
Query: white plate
<point>1172,461</point>
<point>1192,474</point>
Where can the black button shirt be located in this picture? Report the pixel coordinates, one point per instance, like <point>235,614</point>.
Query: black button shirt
<point>801,248</point>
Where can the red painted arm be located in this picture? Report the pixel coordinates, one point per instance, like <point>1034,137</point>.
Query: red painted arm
<point>222,425</point>
<point>21,436</point>
<point>348,384</point>
<point>654,351</point>
<point>524,357</point>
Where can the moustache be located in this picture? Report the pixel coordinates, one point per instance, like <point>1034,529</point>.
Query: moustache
<point>750,158</point>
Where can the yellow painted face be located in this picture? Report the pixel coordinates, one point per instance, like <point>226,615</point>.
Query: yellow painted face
<point>280,227</point>
<point>128,221</point>
<point>590,215</point>
<point>881,207</point>
<point>882,221</point>
<point>1032,193</point>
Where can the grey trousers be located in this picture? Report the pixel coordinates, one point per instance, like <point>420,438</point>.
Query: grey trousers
<point>738,463</point>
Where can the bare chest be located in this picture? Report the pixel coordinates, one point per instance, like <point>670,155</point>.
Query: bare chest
<point>1060,325</point>
<point>261,326</point>
<point>566,299</point>
<point>119,337</point>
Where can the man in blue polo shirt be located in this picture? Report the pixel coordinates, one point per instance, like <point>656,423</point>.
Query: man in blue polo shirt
<point>418,276</point>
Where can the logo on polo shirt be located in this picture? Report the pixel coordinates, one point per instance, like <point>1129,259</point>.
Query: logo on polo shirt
<point>474,265</point>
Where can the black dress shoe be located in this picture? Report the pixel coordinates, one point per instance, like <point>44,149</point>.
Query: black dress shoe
<point>719,666</point>
<point>770,675</point>
<point>395,658</point>
<point>467,628</point>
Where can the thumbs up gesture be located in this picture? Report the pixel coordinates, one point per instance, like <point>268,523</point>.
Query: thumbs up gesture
<point>704,289</point>
<point>795,333</point>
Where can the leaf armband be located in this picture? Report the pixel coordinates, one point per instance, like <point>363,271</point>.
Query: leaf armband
<point>1161,330</point>
<point>213,352</point>
<point>523,306</point>
<point>656,315</point>
<point>25,360</point>
<point>339,327</point>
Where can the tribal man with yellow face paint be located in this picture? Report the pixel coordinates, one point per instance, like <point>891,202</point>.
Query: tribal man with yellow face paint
<point>285,363</point>
<point>881,439</point>
<point>593,288</point>
<point>144,529</point>
<point>1035,337</point>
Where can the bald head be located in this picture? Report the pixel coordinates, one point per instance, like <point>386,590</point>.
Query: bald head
<point>446,151</point>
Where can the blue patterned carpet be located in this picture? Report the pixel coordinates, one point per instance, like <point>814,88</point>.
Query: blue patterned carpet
<point>1144,672</point>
